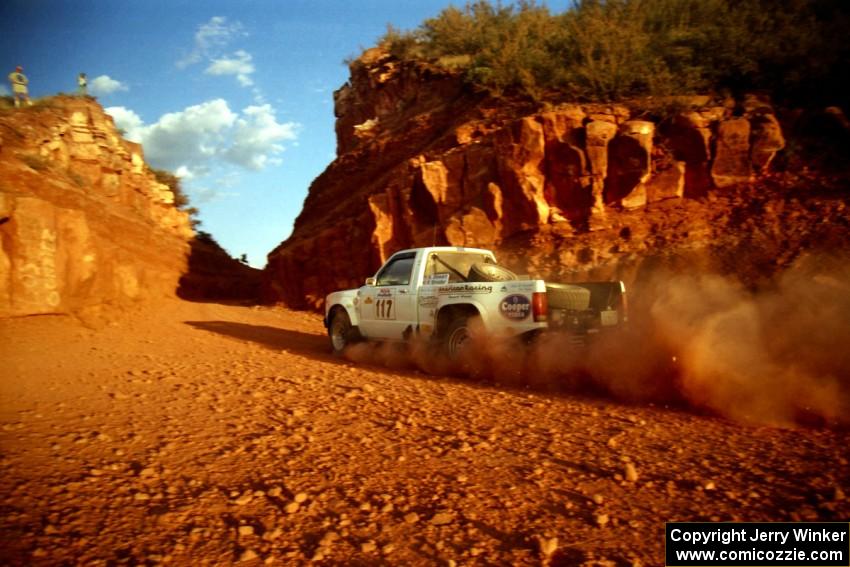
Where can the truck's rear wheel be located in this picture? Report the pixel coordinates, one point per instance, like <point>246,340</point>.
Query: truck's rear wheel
<point>458,337</point>
<point>341,332</point>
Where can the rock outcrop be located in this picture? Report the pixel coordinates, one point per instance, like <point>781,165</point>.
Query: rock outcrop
<point>574,190</point>
<point>83,221</point>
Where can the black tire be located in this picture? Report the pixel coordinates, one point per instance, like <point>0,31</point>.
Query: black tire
<point>482,272</point>
<point>457,338</point>
<point>340,331</point>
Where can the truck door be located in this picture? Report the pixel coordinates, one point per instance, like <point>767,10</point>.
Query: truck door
<point>387,309</point>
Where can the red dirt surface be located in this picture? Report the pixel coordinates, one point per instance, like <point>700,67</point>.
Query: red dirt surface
<point>212,434</point>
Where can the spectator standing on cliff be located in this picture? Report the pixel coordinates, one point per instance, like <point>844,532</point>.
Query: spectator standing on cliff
<point>82,85</point>
<point>19,86</point>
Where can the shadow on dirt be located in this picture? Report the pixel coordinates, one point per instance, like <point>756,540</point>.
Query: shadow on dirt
<point>581,378</point>
<point>306,344</point>
<point>406,360</point>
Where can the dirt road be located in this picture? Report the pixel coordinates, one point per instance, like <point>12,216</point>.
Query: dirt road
<point>211,434</point>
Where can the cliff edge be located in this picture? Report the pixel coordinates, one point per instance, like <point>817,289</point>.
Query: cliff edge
<point>83,221</point>
<point>564,191</point>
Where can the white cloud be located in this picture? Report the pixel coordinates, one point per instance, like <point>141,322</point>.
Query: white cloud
<point>227,180</point>
<point>198,138</point>
<point>211,41</point>
<point>104,85</point>
<point>257,137</point>
<point>190,138</point>
<point>184,172</point>
<point>211,38</point>
<point>216,32</point>
<point>128,121</point>
<point>203,195</point>
<point>239,64</point>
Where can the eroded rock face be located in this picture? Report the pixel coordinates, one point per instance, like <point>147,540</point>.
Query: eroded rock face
<point>497,174</point>
<point>83,222</point>
<point>732,163</point>
<point>381,93</point>
<point>766,140</point>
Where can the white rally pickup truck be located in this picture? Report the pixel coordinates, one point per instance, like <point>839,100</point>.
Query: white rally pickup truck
<point>434,293</point>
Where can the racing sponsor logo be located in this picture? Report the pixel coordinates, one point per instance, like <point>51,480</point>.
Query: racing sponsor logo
<point>428,301</point>
<point>437,279</point>
<point>385,292</point>
<point>515,307</point>
<point>516,286</point>
<point>464,289</point>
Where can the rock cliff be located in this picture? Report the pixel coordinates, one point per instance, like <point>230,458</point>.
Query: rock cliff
<point>566,191</point>
<point>83,222</point>
<point>214,276</point>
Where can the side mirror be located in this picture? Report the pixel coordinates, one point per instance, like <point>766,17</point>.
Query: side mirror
<point>370,282</point>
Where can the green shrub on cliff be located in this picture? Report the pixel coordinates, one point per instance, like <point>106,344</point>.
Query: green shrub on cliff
<point>499,47</point>
<point>181,199</point>
<point>613,49</point>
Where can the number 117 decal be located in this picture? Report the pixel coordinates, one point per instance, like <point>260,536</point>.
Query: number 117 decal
<point>384,309</point>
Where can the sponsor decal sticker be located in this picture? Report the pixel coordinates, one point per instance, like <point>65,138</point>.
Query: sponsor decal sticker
<point>367,301</point>
<point>428,301</point>
<point>385,292</point>
<point>515,307</point>
<point>437,279</point>
<point>464,289</point>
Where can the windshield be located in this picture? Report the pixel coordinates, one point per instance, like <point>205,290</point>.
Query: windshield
<point>451,267</point>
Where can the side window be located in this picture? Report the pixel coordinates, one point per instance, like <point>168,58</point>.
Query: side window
<point>397,272</point>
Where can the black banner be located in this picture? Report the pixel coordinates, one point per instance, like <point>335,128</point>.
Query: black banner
<point>740,544</point>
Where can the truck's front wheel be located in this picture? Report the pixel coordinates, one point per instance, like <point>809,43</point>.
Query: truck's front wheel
<point>341,332</point>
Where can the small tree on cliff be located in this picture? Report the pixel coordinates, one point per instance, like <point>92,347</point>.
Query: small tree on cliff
<point>181,199</point>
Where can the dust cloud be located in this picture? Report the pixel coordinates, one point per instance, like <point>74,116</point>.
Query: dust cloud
<point>777,355</point>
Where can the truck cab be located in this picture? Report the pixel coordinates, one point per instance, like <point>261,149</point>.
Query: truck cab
<point>434,293</point>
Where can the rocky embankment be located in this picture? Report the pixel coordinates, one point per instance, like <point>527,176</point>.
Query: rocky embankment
<point>83,221</point>
<point>573,190</point>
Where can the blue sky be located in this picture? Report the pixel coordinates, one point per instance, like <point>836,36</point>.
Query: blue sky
<point>235,96</point>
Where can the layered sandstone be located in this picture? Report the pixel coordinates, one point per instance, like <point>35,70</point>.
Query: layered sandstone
<point>83,221</point>
<point>570,190</point>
